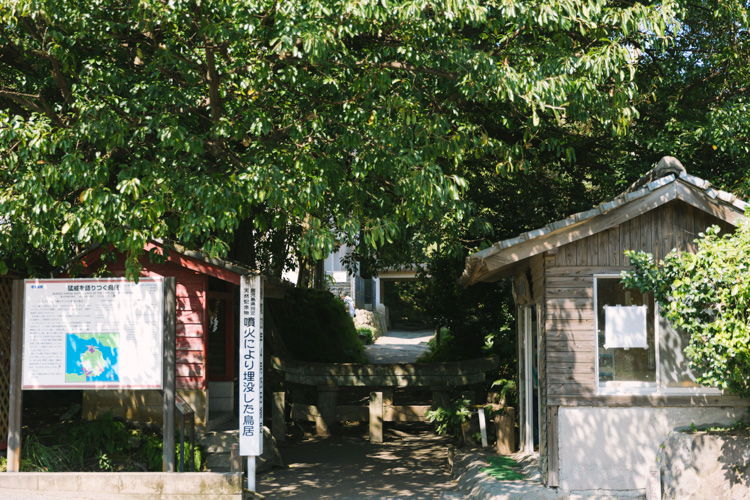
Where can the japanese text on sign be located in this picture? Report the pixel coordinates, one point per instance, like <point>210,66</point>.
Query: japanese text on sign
<point>251,366</point>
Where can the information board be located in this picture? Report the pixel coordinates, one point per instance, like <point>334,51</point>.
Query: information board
<point>93,334</point>
<point>251,366</point>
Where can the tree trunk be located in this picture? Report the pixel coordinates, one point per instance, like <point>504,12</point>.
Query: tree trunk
<point>319,275</point>
<point>243,247</point>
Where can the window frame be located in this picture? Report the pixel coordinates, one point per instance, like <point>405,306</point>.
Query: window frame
<point>635,387</point>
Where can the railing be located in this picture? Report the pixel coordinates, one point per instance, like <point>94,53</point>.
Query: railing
<point>186,413</point>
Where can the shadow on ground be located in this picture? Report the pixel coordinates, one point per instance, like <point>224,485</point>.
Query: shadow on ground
<point>412,463</point>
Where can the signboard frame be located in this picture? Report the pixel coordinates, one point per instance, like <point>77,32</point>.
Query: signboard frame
<point>93,333</point>
<point>168,374</point>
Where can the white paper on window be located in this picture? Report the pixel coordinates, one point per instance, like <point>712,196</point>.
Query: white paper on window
<point>625,327</point>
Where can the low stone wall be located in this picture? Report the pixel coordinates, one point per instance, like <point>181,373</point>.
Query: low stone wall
<point>124,485</point>
<point>139,406</point>
<point>612,450</point>
<point>372,320</point>
<point>701,465</point>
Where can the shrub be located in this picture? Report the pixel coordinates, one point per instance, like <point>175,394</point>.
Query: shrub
<point>365,334</point>
<point>96,445</point>
<point>448,420</point>
<point>707,295</point>
<point>316,326</point>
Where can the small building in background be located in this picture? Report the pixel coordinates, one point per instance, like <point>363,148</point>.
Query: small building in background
<point>368,293</point>
<point>603,379</point>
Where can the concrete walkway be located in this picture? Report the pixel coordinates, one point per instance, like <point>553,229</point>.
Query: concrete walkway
<point>399,346</point>
<point>473,483</point>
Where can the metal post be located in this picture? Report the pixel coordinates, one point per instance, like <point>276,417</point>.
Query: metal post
<point>182,442</point>
<point>192,442</point>
<point>251,473</point>
<point>483,427</point>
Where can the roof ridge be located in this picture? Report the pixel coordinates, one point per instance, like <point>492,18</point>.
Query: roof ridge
<point>668,165</point>
<point>669,170</point>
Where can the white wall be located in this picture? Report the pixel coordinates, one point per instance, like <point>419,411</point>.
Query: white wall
<point>614,448</point>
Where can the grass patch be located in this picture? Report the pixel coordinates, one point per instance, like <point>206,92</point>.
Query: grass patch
<point>503,469</point>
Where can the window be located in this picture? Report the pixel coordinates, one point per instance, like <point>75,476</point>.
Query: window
<point>624,312</point>
<point>220,336</point>
<point>629,329</point>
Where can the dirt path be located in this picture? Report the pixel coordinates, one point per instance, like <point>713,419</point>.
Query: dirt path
<point>398,346</point>
<point>412,463</point>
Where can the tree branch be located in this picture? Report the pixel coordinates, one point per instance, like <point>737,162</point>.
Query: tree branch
<point>417,69</point>
<point>26,101</point>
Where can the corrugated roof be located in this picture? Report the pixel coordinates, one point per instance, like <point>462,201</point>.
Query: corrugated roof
<point>476,265</point>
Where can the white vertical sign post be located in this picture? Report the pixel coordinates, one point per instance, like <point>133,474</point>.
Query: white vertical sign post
<point>251,373</point>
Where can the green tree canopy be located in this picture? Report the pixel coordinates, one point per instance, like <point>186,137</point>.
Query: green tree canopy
<point>706,294</point>
<point>271,126</point>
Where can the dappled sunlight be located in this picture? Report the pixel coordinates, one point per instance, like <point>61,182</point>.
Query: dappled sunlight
<point>409,464</point>
<point>619,446</point>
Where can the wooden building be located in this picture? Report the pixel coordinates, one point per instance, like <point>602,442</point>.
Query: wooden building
<point>207,332</point>
<point>594,405</point>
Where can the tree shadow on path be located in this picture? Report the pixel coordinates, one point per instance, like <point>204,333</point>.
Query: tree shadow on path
<point>411,463</point>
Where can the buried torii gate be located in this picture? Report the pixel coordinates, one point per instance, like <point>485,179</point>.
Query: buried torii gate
<point>382,380</point>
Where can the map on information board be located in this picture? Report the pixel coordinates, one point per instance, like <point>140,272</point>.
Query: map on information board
<point>92,357</point>
<point>93,334</point>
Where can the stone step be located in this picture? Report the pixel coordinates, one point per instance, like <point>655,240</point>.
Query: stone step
<point>222,421</point>
<point>218,462</point>
<point>451,495</point>
<point>220,441</point>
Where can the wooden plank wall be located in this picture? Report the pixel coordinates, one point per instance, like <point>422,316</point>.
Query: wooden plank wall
<point>569,287</point>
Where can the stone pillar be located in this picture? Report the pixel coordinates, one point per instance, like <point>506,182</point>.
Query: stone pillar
<point>388,404</point>
<point>278,422</point>
<point>327,395</point>
<point>441,397</point>
<point>376,417</point>
<point>506,436</point>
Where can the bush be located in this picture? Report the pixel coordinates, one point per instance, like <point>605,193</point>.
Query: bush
<point>448,420</point>
<point>97,445</point>
<point>365,334</point>
<point>316,326</point>
<point>479,320</point>
<point>707,295</point>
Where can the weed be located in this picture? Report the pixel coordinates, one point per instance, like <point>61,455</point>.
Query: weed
<point>365,333</point>
<point>448,420</point>
<point>98,445</point>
